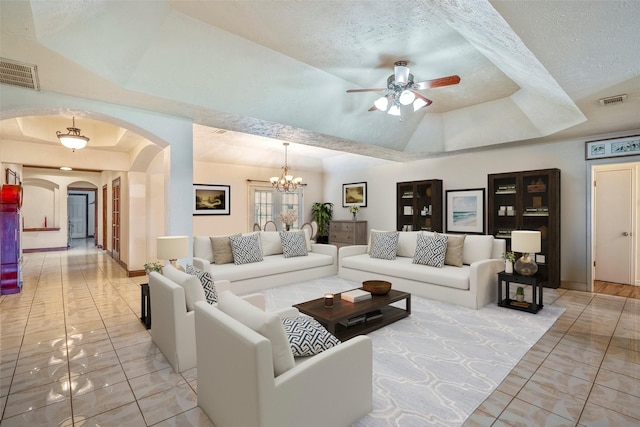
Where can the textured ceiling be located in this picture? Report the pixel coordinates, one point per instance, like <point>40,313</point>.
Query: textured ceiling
<point>530,71</point>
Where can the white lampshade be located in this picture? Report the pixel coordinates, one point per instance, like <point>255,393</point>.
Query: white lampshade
<point>418,104</point>
<point>407,97</point>
<point>394,110</point>
<point>525,241</point>
<point>382,103</point>
<point>172,247</point>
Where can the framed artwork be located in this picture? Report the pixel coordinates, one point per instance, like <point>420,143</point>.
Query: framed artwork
<point>465,211</point>
<point>615,147</point>
<point>211,199</point>
<point>354,194</point>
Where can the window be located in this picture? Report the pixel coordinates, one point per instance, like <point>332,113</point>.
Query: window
<point>267,203</point>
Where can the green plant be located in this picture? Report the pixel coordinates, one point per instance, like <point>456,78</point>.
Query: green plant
<point>153,266</point>
<point>520,291</point>
<point>354,209</point>
<point>509,256</point>
<point>322,213</point>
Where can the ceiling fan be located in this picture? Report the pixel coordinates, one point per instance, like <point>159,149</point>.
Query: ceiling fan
<point>401,90</point>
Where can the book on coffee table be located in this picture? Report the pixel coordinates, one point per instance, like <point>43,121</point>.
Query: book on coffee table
<point>356,295</point>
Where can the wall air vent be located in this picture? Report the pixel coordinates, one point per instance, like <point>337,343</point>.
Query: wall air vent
<point>612,99</point>
<point>19,74</point>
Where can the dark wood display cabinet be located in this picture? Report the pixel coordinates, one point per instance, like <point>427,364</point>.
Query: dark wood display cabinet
<point>419,205</point>
<point>529,200</point>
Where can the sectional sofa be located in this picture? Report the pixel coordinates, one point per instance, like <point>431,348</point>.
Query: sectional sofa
<point>470,279</point>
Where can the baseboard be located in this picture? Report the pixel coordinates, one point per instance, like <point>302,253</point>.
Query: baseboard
<point>27,251</point>
<point>136,273</point>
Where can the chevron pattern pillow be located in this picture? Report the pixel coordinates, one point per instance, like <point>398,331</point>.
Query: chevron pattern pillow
<point>431,250</point>
<point>293,244</point>
<point>385,246</point>
<point>307,337</point>
<point>246,249</point>
<point>207,283</point>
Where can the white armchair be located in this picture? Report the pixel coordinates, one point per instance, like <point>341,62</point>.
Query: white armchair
<point>238,387</point>
<point>173,326</point>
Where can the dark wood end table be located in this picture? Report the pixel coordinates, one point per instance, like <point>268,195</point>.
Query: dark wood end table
<point>342,311</point>
<point>145,305</point>
<point>534,281</point>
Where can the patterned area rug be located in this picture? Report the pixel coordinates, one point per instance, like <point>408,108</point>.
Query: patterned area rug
<point>438,365</point>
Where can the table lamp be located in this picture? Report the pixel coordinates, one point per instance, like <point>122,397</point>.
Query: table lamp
<point>527,242</point>
<point>173,248</point>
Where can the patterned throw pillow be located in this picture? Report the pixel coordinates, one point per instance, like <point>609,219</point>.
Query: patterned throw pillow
<point>293,243</point>
<point>385,246</point>
<point>207,283</point>
<point>307,337</point>
<point>246,249</point>
<point>431,250</point>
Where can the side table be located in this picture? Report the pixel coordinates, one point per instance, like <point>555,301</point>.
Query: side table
<point>534,281</point>
<point>145,305</point>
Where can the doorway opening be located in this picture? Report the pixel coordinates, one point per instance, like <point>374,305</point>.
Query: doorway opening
<point>82,215</point>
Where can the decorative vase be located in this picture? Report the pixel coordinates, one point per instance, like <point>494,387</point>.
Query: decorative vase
<point>508,267</point>
<point>519,298</point>
<point>354,217</point>
<point>287,227</point>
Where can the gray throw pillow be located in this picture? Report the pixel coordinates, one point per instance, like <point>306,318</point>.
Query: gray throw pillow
<point>246,249</point>
<point>431,250</point>
<point>385,246</point>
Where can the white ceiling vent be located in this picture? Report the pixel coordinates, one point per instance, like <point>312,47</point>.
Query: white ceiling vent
<point>612,99</point>
<point>19,74</point>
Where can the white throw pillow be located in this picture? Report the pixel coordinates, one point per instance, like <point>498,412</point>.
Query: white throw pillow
<point>193,291</point>
<point>372,237</point>
<point>407,241</point>
<point>202,248</point>
<point>476,248</point>
<point>269,325</point>
<point>270,243</point>
<point>431,250</point>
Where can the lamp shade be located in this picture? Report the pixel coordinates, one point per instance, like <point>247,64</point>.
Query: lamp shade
<point>172,247</point>
<point>525,241</point>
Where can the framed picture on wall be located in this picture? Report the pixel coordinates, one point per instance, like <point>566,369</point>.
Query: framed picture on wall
<point>465,211</point>
<point>354,194</point>
<point>211,199</point>
<point>615,147</point>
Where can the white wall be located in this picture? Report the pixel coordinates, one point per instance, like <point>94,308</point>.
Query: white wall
<point>470,170</point>
<point>236,176</point>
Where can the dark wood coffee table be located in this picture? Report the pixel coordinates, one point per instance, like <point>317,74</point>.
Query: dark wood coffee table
<point>342,311</point>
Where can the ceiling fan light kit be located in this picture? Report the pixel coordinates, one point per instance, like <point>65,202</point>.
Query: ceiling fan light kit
<point>401,90</point>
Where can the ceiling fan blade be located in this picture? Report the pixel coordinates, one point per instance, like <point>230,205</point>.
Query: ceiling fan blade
<point>442,81</point>
<point>365,90</point>
<point>373,108</point>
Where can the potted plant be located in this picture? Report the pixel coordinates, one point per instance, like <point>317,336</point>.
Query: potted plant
<point>520,294</point>
<point>322,213</point>
<point>153,266</point>
<point>354,211</point>
<point>509,258</point>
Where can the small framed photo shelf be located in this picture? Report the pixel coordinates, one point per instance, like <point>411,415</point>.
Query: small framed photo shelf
<point>211,199</point>
<point>465,211</point>
<point>354,194</point>
<point>615,147</point>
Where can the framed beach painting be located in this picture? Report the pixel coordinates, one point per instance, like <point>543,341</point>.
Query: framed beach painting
<point>211,199</point>
<point>354,194</point>
<point>465,211</point>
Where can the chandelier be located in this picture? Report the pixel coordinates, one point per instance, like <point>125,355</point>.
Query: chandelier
<point>285,182</point>
<point>72,139</point>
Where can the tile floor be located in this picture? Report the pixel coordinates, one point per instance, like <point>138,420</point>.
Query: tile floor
<point>74,353</point>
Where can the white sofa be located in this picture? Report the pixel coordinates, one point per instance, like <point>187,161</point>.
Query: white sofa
<point>274,270</point>
<point>173,327</point>
<point>239,388</point>
<point>474,284</point>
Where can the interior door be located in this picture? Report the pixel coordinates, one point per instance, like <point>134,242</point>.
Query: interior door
<point>104,217</point>
<point>115,219</point>
<point>613,225</point>
<point>77,213</point>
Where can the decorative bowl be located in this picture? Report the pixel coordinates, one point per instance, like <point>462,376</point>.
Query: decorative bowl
<point>376,287</point>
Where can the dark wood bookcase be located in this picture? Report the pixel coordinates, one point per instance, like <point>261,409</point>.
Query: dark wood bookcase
<point>529,200</point>
<point>419,205</point>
